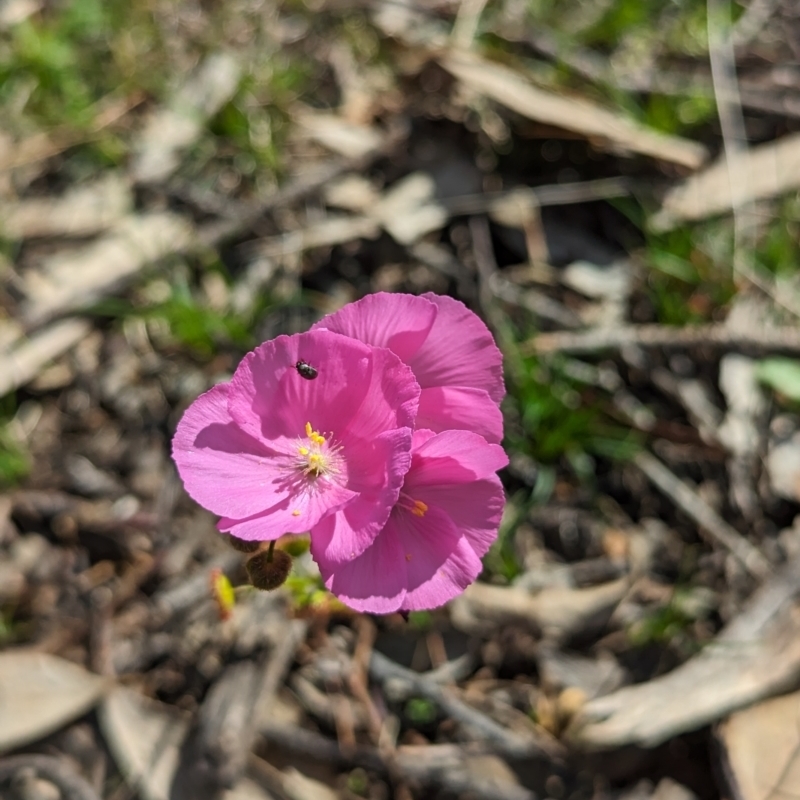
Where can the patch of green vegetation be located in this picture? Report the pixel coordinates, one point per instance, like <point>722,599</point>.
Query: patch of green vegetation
<point>256,122</point>
<point>14,460</point>
<point>420,711</point>
<point>689,273</point>
<point>308,591</point>
<point>501,560</point>
<point>669,624</point>
<point>190,322</point>
<point>55,66</point>
<point>782,375</point>
<point>11,629</point>
<point>779,250</point>
<point>358,782</point>
<point>556,418</point>
<point>420,620</point>
<point>661,626</point>
<point>199,328</point>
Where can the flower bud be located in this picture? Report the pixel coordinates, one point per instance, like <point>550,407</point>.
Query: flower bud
<point>242,545</point>
<point>269,570</point>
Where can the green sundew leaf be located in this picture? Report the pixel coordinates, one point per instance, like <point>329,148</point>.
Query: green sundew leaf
<point>782,375</point>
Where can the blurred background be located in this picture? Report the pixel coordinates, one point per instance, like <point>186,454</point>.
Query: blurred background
<point>612,185</point>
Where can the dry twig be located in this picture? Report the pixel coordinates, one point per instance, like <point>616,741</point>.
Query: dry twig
<point>755,656</point>
<point>786,339</point>
<point>55,770</point>
<point>503,741</point>
<point>707,519</point>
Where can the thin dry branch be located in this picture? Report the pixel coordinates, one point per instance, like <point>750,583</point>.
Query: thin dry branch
<point>71,785</point>
<point>445,766</point>
<point>512,90</point>
<point>706,518</point>
<point>503,741</point>
<point>755,656</point>
<point>786,339</point>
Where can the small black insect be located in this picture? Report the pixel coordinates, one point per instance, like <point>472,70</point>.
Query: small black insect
<point>306,370</point>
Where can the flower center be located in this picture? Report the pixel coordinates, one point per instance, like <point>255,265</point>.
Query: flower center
<point>416,507</point>
<point>316,456</point>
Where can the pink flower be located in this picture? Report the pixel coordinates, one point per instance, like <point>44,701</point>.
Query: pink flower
<point>452,353</point>
<point>444,521</point>
<point>274,452</point>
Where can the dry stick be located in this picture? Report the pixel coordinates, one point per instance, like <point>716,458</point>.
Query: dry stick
<point>466,25</point>
<point>358,675</point>
<point>756,655</point>
<point>189,592</point>
<point>29,357</point>
<point>502,740</point>
<point>597,68</point>
<point>215,754</point>
<point>734,136</point>
<point>441,765</point>
<point>216,234</point>
<point>749,25</point>
<point>692,504</point>
<point>734,140</point>
<point>595,340</point>
<point>71,785</point>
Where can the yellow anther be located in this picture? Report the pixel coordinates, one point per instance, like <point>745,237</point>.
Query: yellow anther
<point>296,512</point>
<point>304,451</point>
<point>315,436</point>
<point>419,508</point>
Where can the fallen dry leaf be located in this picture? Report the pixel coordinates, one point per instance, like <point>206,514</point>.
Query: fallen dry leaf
<point>762,749</point>
<point>39,693</point>
<point>81,211</point>
<point>145,739</point>
<point>766,171</point>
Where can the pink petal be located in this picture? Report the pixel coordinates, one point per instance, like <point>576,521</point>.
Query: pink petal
<point>223,468</point>
<point>475,509</point>
<point>460,351</point>
<point>270,399</point>
<point>400,322</point>
<point>443,408</point>
<point>421,435</point>
<point>375,581</point>
<point>415,563</point>
<point>282,518</point>
<point>359,390</point>
<point>390,400</point>
<point>377,472</point>
<point>461,568</point>
<point>453,457</point>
